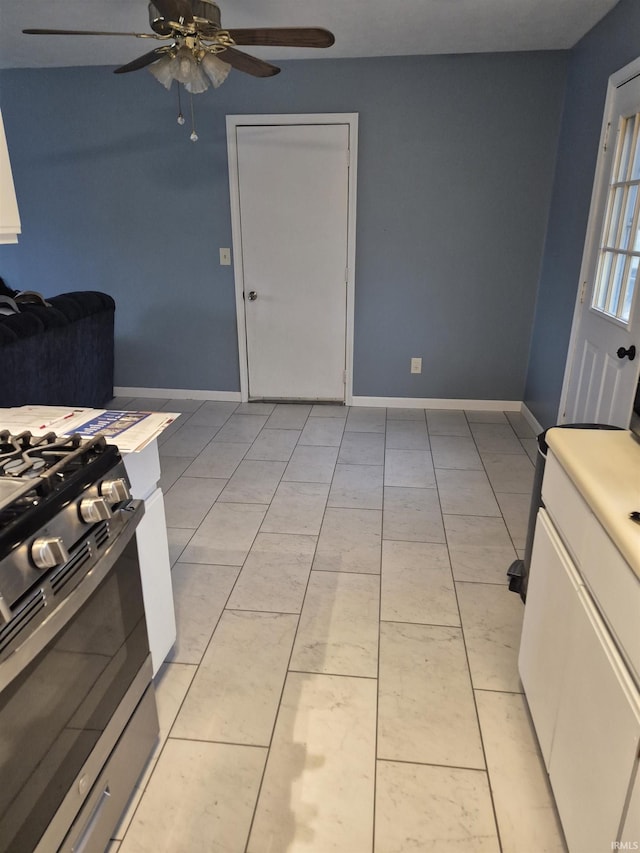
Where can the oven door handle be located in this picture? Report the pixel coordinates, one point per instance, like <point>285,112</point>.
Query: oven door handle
<point>82,842</point>
<point>64,611</point>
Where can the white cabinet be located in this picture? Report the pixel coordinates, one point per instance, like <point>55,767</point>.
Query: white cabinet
<point>143,469</point>
<point>596,736</point>
<point>551,601</point>
<point>578,674</point>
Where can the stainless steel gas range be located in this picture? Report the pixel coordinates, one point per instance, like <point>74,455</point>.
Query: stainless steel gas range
<point>78,718</point>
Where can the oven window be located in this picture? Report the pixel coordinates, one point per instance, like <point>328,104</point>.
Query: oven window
<point>53,714</point>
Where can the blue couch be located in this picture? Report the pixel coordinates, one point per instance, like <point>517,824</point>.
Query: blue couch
<point>58,353</point>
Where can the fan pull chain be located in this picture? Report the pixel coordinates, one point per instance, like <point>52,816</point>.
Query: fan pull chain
<point>180,118</point>
<point>194,135</point>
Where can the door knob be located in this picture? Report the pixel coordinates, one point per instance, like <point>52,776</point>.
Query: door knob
<point>629,353</point>
<point>253,295</point>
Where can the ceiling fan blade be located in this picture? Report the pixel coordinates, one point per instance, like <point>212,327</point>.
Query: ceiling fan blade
<point>249,64</point>
<point>144,60</point>
<point>175,10</point>
<point>284,36</point>
<point>85,33</point>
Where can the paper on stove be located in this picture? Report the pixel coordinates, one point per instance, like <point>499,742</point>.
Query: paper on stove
<point>38,419</point>
<point>130,431</point>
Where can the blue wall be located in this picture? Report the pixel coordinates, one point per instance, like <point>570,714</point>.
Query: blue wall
<point>456,162</point>
<point>609,46</point>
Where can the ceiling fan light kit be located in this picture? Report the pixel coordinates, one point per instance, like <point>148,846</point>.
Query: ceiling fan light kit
<point>194,29</point>
<point>195,74</point>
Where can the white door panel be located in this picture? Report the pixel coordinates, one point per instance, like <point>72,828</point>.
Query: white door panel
<point>293,183</point>
<point>600,384</point>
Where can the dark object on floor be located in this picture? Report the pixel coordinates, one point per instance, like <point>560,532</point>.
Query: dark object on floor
<point>518,571</point>
<point>60,353</point>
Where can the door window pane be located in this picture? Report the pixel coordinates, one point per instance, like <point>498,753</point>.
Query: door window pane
<point>629,290</point>
<point>627,224</point>
<point>635,169</point>
<point>614,225</point>
<point>620,244</point>
<point>625,153</point>
<point>615,286</point>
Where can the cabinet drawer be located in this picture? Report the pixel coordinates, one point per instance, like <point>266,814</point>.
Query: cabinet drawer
<point>616,591</point>
<point>568,510</point>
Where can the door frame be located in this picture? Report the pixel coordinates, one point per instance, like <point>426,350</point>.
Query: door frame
<point>592,237</point>
<point>235,121</point>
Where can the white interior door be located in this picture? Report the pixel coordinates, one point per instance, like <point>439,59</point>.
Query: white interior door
<point>602,371</point>
<point>293,194</point>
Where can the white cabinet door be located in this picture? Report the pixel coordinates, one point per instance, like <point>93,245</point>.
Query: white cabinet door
<point>551,603</point>
<point>596,738</point>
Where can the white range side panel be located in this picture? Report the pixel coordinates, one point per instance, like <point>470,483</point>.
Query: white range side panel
<point>155,571</point>
<point>143,470</point>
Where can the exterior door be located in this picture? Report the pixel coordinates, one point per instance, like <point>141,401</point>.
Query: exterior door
<point>293,199</point>
<point>602,371</point>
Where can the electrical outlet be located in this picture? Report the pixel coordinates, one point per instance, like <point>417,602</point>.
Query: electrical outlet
<point>416,365</point>
<point>225,257</point>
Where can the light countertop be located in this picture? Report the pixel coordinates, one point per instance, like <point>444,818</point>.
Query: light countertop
<point>604,465</point>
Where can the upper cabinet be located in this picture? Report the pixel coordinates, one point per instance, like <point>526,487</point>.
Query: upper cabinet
<point>9,216</point>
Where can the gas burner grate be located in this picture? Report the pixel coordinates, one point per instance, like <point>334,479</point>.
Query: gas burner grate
<point>49,458</point>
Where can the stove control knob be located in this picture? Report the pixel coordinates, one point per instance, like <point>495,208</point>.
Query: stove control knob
<point>94,509</point>
<point>115,490</point>
<point>48,552</point>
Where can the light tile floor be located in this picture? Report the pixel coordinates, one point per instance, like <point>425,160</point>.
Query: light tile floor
<point>345,674</point>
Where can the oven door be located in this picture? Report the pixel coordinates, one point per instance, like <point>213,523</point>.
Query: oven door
<point>60,691</point>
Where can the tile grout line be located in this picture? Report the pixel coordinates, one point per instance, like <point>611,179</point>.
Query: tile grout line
<point>375,746</point>
<point>287,670</point>
<point>466,651</point>
<point>466,654</point>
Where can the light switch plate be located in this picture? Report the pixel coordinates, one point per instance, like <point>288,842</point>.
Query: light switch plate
<point>225,257</point>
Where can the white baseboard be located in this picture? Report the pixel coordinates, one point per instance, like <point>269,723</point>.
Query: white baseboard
<point>388,402</point>
<point>531,420</point>
<point>177,394</point>
<point>434,403</point>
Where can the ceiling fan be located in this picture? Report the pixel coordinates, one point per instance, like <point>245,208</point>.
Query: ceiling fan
<point>198,50</point>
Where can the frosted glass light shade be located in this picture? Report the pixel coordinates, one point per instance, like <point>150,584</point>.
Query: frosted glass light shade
<point>9,216</point>
<point>162,70</point>
<point>184,68</point>
<point>215,69</point>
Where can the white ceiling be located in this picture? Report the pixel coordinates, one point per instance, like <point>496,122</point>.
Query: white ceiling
<point>361,27</point>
